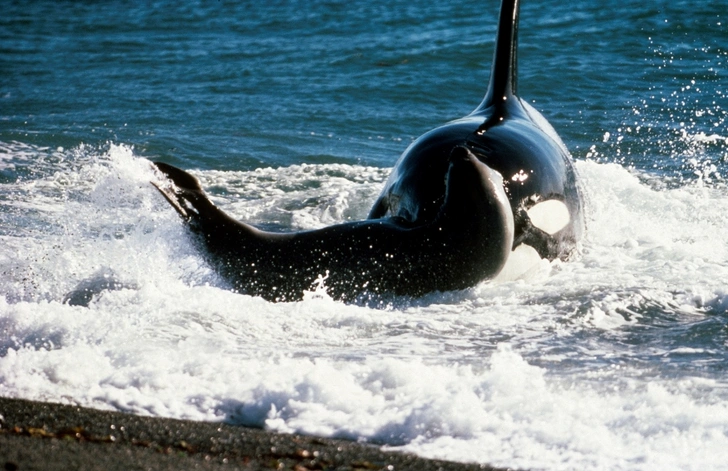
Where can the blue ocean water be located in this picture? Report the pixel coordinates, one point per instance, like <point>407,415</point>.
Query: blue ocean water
<point>291,113</point>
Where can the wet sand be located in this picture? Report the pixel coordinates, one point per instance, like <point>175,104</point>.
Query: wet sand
<point>44,436</point>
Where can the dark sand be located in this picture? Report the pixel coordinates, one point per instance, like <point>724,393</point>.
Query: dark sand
<point>42,436</point>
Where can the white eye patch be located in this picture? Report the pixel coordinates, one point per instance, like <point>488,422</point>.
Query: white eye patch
<point>550,216</point>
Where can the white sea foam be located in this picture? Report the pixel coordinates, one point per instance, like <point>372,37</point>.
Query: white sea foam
<point>584,365</point>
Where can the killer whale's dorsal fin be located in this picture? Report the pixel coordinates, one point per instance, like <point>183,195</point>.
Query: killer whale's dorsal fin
<point>503,74</point>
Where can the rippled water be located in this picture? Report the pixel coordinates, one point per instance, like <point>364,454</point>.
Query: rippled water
<point>291,114</point>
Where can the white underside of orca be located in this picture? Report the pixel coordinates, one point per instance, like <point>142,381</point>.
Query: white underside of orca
<point>522,264</point>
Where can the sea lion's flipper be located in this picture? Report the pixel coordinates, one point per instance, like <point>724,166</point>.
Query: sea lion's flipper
<point>183,192</point>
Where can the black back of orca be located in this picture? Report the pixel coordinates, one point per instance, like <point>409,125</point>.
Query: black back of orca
<point>455,206</point>
<point>510,137</point>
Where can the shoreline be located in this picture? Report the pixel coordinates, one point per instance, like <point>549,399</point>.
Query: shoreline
<point>47,436</point>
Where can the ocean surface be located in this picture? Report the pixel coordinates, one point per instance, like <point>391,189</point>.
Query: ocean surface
<point>292,113</point>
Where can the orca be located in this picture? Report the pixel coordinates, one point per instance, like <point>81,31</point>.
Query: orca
<point>462,200</point>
